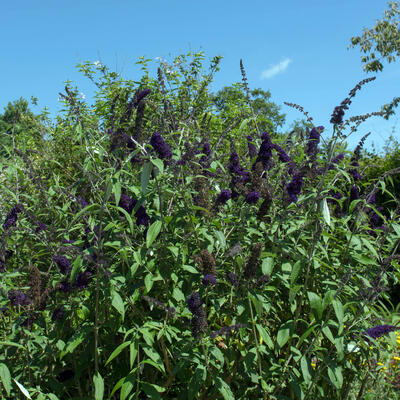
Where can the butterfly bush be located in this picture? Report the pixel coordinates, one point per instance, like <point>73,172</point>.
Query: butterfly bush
<point>138,312</point>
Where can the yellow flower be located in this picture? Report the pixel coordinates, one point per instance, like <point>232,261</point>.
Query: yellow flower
<point>313,365</point>
<point>396,358</point>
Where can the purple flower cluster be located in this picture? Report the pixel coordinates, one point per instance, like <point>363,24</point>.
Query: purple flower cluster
<point>239,175</point>
<point>226,330</point>
<point>140,96</point>
<point>252,197</point>
<point>41,227</point>
<point>224,196</point>
<point>160,146</point>
<point>83,203</point>
<point>207,151</point>
<point>293,188</point>
<point>12,216</point>
<point>18,298</point>
<point>265,152</point>
<point>338,112</point>
<point>128,204</point>
<point>251,146</point>
<point>380,330</point>
<point>209,280</point>
<point>83,279</point>
<point>354,193</point>
<point>313,140</point>
<point>336,160</point>
<point>198,321</point>
<point>235,168</point>
<point>194,302</point>
<point>63,263</point>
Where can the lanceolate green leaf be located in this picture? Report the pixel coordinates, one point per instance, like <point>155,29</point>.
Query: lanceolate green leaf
<point>325,211</point>
<point>284,333</point>
<point>153,232</point>
<point>224,389</point>
<point>23,390</point>
<point>316,305</point>
<point>145,176</point>
<point>117,351</point>
<point>98,386</point>
<point>118,303</point>
<point>5,377</point>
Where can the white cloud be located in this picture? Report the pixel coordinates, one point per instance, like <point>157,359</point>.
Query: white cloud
<point>276,69</point>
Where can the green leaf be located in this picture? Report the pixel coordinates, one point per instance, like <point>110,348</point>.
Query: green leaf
<point>297,267</point>
<point>396,227</point>
<point>23,390</point>
<point>328,298</point>
<point>190,269</point>
<point>325,211</point>
<point>221,239</point>
<point>153,232</point>
<point>153,363</point>
<point>6,343</point>
<point>338,307</point>
<point>98,386</point>
<point>117,351</point>
<point>158,163</point>
<point>243,124</point>
<point>224,389</point>
<point>265,336</point>
<point>364,259</point>
<point>118,303</point>
<point>128,385</point>
<point>196,382</point>
<point>284,333</point>
<point>152,390</point>
<point>145,176</point>
<point>178,295</point>
<point>117,192</point>
<point>132,353</point>
<point>335,374</point>
<point>5,377</point>
<point>117,386</point>
<point>128,218</point>
<point>327,332</point>
<point>76,267</point>
<point>306,370</point>
<point>316,305</point>
<point>150,351</point>
<point>77,338</point>
<point>306,334</point>
<point>218,355</point>
<point>148,282</point>
<point>109,189</point>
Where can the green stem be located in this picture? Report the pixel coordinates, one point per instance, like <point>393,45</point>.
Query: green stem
<point>255,337</point>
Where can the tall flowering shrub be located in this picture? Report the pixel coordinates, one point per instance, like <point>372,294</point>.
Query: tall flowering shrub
<point>173,268</point>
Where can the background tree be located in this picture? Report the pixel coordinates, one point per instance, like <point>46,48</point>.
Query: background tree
<point>27,128</point>
<point>385,37</point>
<point>267,112</point>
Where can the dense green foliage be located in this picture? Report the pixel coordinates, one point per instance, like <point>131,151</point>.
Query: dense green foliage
<point>114,231</point>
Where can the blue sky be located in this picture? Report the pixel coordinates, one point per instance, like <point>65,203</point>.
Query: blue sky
<point>296,49</point>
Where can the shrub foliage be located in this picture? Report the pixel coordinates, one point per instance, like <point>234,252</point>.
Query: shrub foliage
<point>157,249</point>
